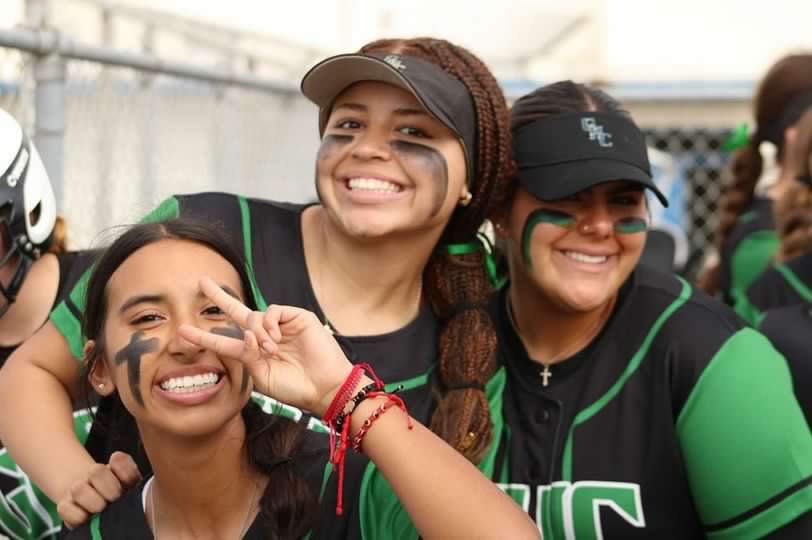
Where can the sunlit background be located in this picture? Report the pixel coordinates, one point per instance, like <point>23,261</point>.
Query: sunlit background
<point>117,138</point>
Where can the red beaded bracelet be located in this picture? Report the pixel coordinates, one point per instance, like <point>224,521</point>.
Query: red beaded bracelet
<point>338,422</point>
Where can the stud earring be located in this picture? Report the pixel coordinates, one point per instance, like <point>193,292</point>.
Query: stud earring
<point>465,200</point>
<point>101,386</point>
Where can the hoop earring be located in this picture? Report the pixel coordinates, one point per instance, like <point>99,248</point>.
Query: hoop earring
<point>465,200</point>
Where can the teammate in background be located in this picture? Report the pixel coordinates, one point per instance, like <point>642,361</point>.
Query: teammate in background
<point>779,303</point>
<point>790,280</point>
<point>746,238</point>
<point>415,153</point>
<point>162,283</point>
<point>35,270</point>
<point>632,406</point>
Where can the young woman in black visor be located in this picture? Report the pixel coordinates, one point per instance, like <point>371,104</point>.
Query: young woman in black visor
<point>631,405</point>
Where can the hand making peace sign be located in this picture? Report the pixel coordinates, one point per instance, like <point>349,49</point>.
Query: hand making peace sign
<point>289,354</point>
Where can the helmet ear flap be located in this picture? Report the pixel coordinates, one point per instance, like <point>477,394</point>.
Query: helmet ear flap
<point>39,205</point>
<point>26,189</point>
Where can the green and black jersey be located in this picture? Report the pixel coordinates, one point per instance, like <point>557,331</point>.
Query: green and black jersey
<point>125,519</point>
<point>748,250</point>
<point>25,513</point>
<point>270,236</point>
<point>789,329</point>
<point>783,284</point>
<point>659,428</point>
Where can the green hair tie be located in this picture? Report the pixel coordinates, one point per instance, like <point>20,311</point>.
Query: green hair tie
<point>483,244</point>
<point>738,139</point>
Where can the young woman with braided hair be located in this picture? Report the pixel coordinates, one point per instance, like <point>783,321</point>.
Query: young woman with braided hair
<point>415,153</point>
<point>779,302</point>
<point>632,405</point>
<point>746,240</point>
<point>790,280</point>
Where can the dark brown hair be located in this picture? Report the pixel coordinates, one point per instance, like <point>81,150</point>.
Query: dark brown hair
<point>287,506</point>
<point>786,79</point>
<point>458,286</point>
<point>59,237</point>
<point>561,98</point>
<point>793,211</point>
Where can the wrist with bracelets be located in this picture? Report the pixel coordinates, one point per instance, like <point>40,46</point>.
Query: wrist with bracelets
<point>338,418</point>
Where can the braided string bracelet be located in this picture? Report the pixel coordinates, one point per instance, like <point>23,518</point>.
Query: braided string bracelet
<point>338,418</point>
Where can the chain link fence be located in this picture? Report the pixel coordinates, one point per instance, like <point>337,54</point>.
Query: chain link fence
<point>132,138</point>
<point>698,155</point>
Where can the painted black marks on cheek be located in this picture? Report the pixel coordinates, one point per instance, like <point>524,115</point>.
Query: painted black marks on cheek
<point>330,144</point>
<point>236,333</point>
<point>229,331</point>
<point>132,353</point>
<point>425,158</point>
<point>244,380</point>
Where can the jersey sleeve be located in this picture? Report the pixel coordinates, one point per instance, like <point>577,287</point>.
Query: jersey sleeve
<point>746,445</point>
<point>750,259</point>
<point>222,208</point>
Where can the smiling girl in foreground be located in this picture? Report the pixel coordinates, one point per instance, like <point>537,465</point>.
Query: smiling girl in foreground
<point>222,468</point>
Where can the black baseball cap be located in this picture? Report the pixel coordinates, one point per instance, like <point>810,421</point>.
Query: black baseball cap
<point>442,95</point>
<point>558,156</point>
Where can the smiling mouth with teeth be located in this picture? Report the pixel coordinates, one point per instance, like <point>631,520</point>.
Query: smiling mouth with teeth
<point>190,383</point>
<point>373,184</point>
<point>584,258</point>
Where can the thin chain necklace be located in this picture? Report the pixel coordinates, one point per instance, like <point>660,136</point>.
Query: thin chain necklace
<point>243,527</point>
<point>328,325</point>
<point>545,373</point>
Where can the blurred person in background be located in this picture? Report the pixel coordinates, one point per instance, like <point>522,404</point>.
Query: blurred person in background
<point>631,405</point>
<point>746,240</point>
<point>779,303</point>
<point>36,269</point>
<point>415,154</point>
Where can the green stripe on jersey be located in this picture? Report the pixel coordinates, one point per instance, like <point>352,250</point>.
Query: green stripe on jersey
<point>95,527</point>
<point>62,316</point>
<point>748,311</point>
<point>765,522</point>
<point>751,257</point>
<point>795,282</point>
<point>70,328</point>
<point>745,440</point>
<point>634,363</point>
<point>381,514</point>
<point>245,215</point>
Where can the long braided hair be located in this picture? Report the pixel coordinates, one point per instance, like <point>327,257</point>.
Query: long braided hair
<point>786,79</point>
<point>458,286</point>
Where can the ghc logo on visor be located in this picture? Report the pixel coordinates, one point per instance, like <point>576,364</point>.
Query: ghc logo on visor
<point>596,132</point>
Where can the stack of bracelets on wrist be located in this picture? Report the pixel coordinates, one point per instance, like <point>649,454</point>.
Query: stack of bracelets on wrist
<point>338,418</point>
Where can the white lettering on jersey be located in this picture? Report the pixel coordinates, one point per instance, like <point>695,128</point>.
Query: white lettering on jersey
<point>573,510</point>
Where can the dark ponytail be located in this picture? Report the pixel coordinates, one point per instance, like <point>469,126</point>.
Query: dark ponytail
<point>787,79</point>
<point>457,286</point>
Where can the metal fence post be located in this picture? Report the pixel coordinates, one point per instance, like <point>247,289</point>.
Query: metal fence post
<point>49,104</point>
<point>49,131</point>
